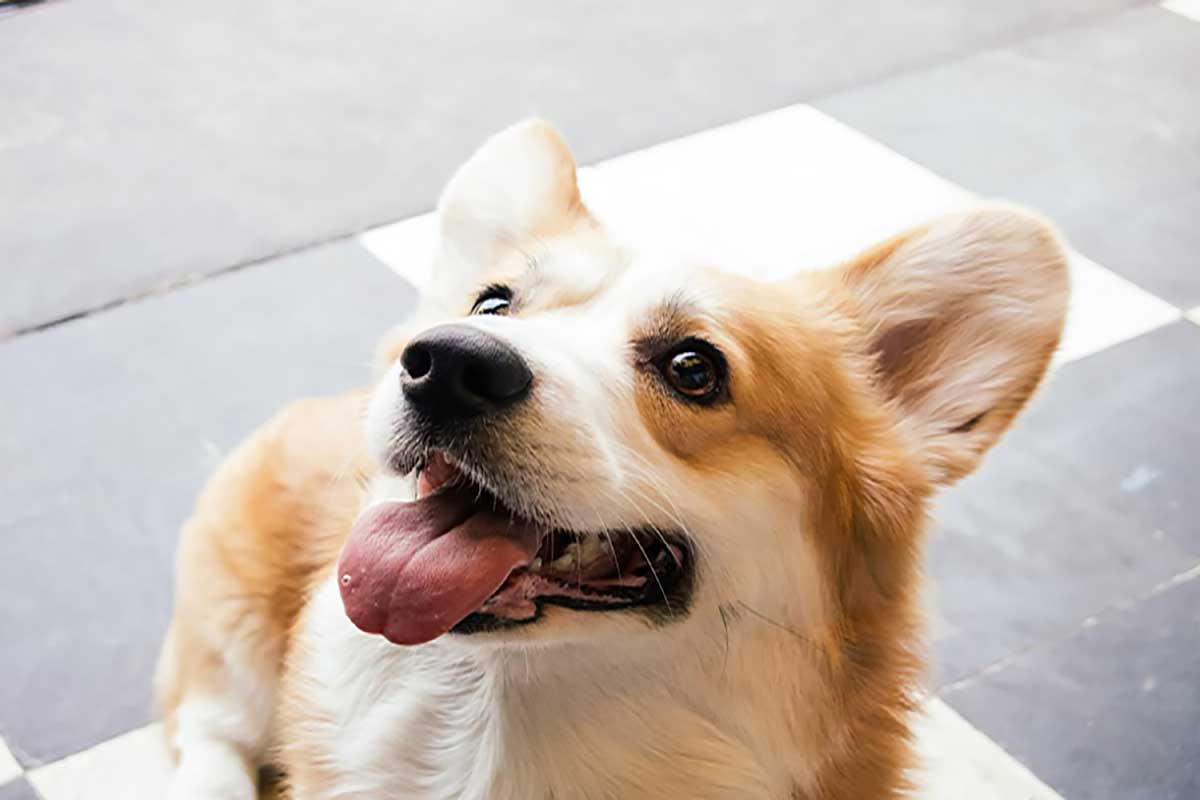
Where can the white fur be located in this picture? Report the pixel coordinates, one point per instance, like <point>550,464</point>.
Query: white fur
<point>222,735</point>
<point>451,721</point>
<point>219,741</point>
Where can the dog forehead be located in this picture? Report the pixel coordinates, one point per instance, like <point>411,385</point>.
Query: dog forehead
<point>573,278</point>
<point>574,268</point>
<point>655,282</point>
<point>616,290</point>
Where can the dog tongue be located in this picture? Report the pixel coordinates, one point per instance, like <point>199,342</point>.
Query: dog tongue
<point>412,571</point>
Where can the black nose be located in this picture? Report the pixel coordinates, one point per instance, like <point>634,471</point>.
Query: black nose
<point>454,372</point>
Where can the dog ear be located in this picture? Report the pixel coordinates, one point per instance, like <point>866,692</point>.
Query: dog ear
<point>520,183</point>
<point>961,318</point>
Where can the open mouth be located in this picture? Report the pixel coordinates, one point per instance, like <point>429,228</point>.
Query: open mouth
<point>456,559</point>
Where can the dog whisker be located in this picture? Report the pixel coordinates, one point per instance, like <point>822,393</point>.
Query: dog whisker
<point>774,623</point>
<point>725,626</point>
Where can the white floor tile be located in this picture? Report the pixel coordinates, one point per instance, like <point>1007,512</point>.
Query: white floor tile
<point>790,190</point>
<point>778,192</point>
<point>1186,8</point>
<point>9,768</point>
<point>960,763</point>
<point>129,767</point>
<point>1106,309</point>
<point>406,247</point>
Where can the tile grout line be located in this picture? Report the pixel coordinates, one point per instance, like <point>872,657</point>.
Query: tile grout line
<point>999,43</point>
<point>1109,611</point>
<point>171,285</point>
<point>1170,583</point>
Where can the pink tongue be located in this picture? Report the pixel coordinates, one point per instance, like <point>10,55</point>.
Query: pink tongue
<point>412,571</point>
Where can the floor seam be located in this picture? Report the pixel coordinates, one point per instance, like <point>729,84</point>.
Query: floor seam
<point>171,285</point>
<point>1113,609</point>
<point>998,44</point>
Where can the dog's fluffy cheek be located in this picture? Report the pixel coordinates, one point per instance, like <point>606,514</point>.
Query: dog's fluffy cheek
<point>383,409</point>
<point>755,548</point>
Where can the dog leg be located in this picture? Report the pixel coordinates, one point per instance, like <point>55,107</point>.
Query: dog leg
<point>219,725</point>
<point>268,524</point>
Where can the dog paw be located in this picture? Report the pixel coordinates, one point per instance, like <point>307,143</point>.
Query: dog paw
<point>214,785</point>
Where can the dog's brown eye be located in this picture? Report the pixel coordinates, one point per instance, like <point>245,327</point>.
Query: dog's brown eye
<point>694,374</point>
<point>493,300</point>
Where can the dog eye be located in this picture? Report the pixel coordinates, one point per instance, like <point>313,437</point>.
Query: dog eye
<point>694,370</point>
<point>493,300</point>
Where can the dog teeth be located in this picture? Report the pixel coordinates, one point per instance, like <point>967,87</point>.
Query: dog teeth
<point>536,565</point>
<point>578,553</point>
<point>567,560</point>
<point>591,549</point>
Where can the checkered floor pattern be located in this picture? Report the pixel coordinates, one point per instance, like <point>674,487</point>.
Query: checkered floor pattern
<point>1064,595</point>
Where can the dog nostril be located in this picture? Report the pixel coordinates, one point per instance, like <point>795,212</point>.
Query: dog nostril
<point>417,361</point>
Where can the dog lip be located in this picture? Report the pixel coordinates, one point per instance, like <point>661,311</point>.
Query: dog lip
<point>437,471</point>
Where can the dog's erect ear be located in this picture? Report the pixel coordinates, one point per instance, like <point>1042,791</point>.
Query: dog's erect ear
<point>520,183</point>
<point>961,317</point>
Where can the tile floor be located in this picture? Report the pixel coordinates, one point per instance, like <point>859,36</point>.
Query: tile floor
<point>1063,575</point>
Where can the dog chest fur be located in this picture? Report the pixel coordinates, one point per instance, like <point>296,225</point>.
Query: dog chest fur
<point>440,722</point>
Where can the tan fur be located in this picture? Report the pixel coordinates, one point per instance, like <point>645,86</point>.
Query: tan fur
<point>270,522</point>
<point>844,381</point>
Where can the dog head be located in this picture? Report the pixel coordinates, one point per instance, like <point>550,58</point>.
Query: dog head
<point>603,439</point>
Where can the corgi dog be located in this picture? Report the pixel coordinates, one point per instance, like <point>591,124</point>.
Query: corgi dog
<point>609,524</point>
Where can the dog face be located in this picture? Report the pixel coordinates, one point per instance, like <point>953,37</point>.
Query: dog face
<point>605,440</point>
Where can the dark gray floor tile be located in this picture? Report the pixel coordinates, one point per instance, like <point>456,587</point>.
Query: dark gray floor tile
<point>111,424</point>
<point>18,789</point>
<point>144,143</point>
<point>1091,499</point>
<point>1111,713</point>
<point>1098,126</point>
